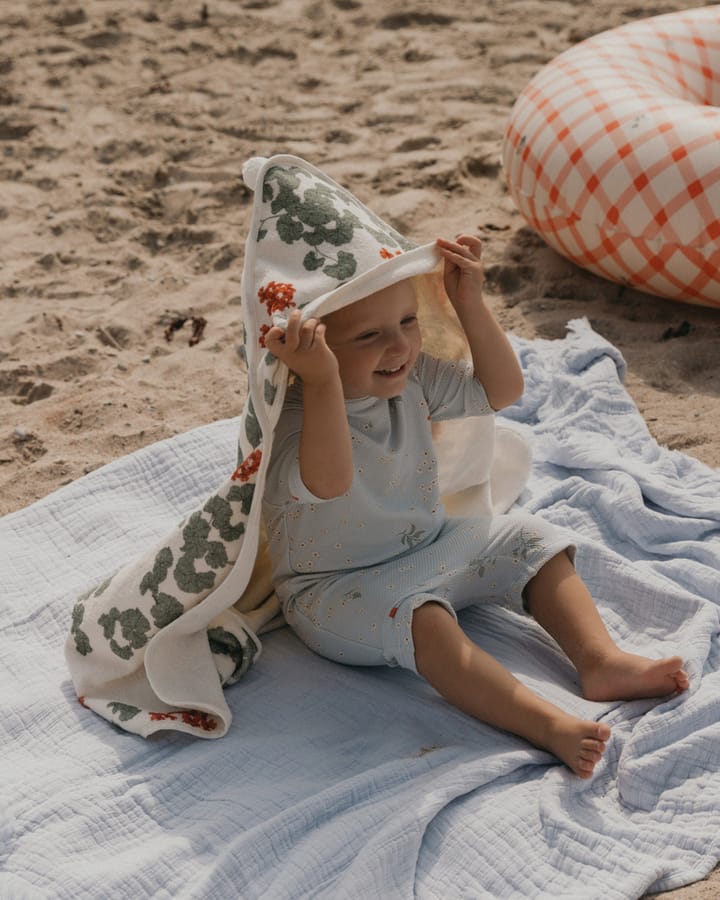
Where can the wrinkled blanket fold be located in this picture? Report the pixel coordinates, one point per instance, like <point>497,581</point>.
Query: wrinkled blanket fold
<point>362,783</point>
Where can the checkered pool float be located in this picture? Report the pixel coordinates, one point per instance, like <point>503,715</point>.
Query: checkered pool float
<point>612,153</point>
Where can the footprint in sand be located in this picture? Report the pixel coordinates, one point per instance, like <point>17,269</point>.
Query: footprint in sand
<point>29,445</point>
<point>22,388</point>
<point>415,17</point>
<point>178,238</point>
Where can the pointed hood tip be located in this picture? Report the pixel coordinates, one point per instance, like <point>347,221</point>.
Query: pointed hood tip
<point>251,170</point>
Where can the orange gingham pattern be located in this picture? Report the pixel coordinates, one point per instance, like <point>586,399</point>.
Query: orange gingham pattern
<point>612,153</point>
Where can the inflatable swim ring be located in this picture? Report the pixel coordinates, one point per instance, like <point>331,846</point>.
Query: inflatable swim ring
<point>612,153</point>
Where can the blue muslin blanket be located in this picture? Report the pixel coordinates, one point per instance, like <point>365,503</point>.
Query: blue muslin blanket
<point>343,782</point>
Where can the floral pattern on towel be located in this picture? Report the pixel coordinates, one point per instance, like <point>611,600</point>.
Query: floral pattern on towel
<point>308,236</point>
<point>323,216</point>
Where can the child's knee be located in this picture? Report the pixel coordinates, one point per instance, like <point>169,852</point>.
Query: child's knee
<point>547,578</point>
<point>425,622</point>
<point>559,566</point>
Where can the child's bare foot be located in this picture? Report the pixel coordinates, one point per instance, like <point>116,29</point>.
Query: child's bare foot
<point>578,743</point>
<point>626,676</point>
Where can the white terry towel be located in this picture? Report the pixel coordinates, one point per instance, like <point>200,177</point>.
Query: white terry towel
<point>152,646</point>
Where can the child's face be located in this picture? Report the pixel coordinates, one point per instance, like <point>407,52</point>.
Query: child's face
<point>376,342</point>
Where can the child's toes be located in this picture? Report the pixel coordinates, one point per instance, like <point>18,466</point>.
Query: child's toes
<point>588,745</point>
<point>589,755</point>
<point>602,732</point>
<point>584,767</point>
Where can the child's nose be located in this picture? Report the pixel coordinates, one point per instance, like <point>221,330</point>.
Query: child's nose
<point>398,343</point>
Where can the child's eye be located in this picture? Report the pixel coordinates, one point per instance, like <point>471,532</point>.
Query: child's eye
<point>367,335</point>
<point>409,320</point>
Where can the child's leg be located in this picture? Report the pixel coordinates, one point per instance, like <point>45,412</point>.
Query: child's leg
<point>476,683</point>
<point>560,602</point>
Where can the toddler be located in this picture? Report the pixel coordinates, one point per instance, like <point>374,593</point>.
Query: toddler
<point>367,566</point>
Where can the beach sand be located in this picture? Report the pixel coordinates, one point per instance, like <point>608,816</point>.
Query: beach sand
<point>123,129</point>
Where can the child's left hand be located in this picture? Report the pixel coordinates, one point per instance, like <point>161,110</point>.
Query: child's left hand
<point>463,273</point>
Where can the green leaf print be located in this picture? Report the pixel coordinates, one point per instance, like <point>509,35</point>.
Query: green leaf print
<point>480,565</point>
<point>527,543</point>
<point>223,642</point>
<point>316,237</point>
<point>316,208</point>
<point>287,183</point>
<point>289,230</point>
<point>253,431</point>
<point>318,217</point>
<point>343,231</point>
<point>388,237</point>
<point>325,217</point>
<point>412,536</point>
<point>344,268</point>
<point>216,556</point>
<point>82,641</point>
<point>269,392</point>
<point>242,494</point>
<point>123,711</point>
<point>312,261</point>
<point>196,546</point>
<point>221,512</point>
<point>152,580</point>
<point>133,628</point>
<point>165,610</point>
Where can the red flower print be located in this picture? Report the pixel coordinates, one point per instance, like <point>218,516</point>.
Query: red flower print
<point>247,467</point>
<point>190,717</point>
<point>388,254</point>
<point>160,717</point>
<point>277,296</point>
<point>81,701</point>
<point>263,331</point>
<point>199,720</point>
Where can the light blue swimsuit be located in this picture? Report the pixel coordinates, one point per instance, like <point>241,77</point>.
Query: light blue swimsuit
<point>350,571</point>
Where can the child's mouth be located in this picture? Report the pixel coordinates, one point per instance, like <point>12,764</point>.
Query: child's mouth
<point>391,373</point>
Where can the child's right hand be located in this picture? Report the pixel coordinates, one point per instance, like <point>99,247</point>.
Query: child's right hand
<point>302,347</point>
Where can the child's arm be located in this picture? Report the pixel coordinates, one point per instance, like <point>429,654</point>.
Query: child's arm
<point>494,361</point>
<point>326,465</point>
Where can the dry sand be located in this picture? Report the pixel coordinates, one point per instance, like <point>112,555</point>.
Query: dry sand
<point>123,128</point>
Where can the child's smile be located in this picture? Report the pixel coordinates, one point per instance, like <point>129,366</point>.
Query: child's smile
<point>376,342</point>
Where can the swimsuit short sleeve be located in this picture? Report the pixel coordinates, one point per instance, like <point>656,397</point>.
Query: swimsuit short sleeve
<point>451,389</point>
<point>284,480</point>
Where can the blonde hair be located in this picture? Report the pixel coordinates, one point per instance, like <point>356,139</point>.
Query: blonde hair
<point>442,333</point>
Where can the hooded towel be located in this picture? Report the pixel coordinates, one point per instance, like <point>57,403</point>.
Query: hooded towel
<point>151,647</point>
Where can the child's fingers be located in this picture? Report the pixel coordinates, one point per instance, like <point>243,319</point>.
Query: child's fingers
<point>297,335</point>
<point>320,330</point>
<point>288,336</point>
<point>274,337</point>
<point>464,245</point>
<point>309,333</point>
<point>473,243</point>
<point>292,329</point>
<point>459,254</point>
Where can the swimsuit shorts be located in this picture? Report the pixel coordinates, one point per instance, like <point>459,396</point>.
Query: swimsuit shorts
<point>363,616</point>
